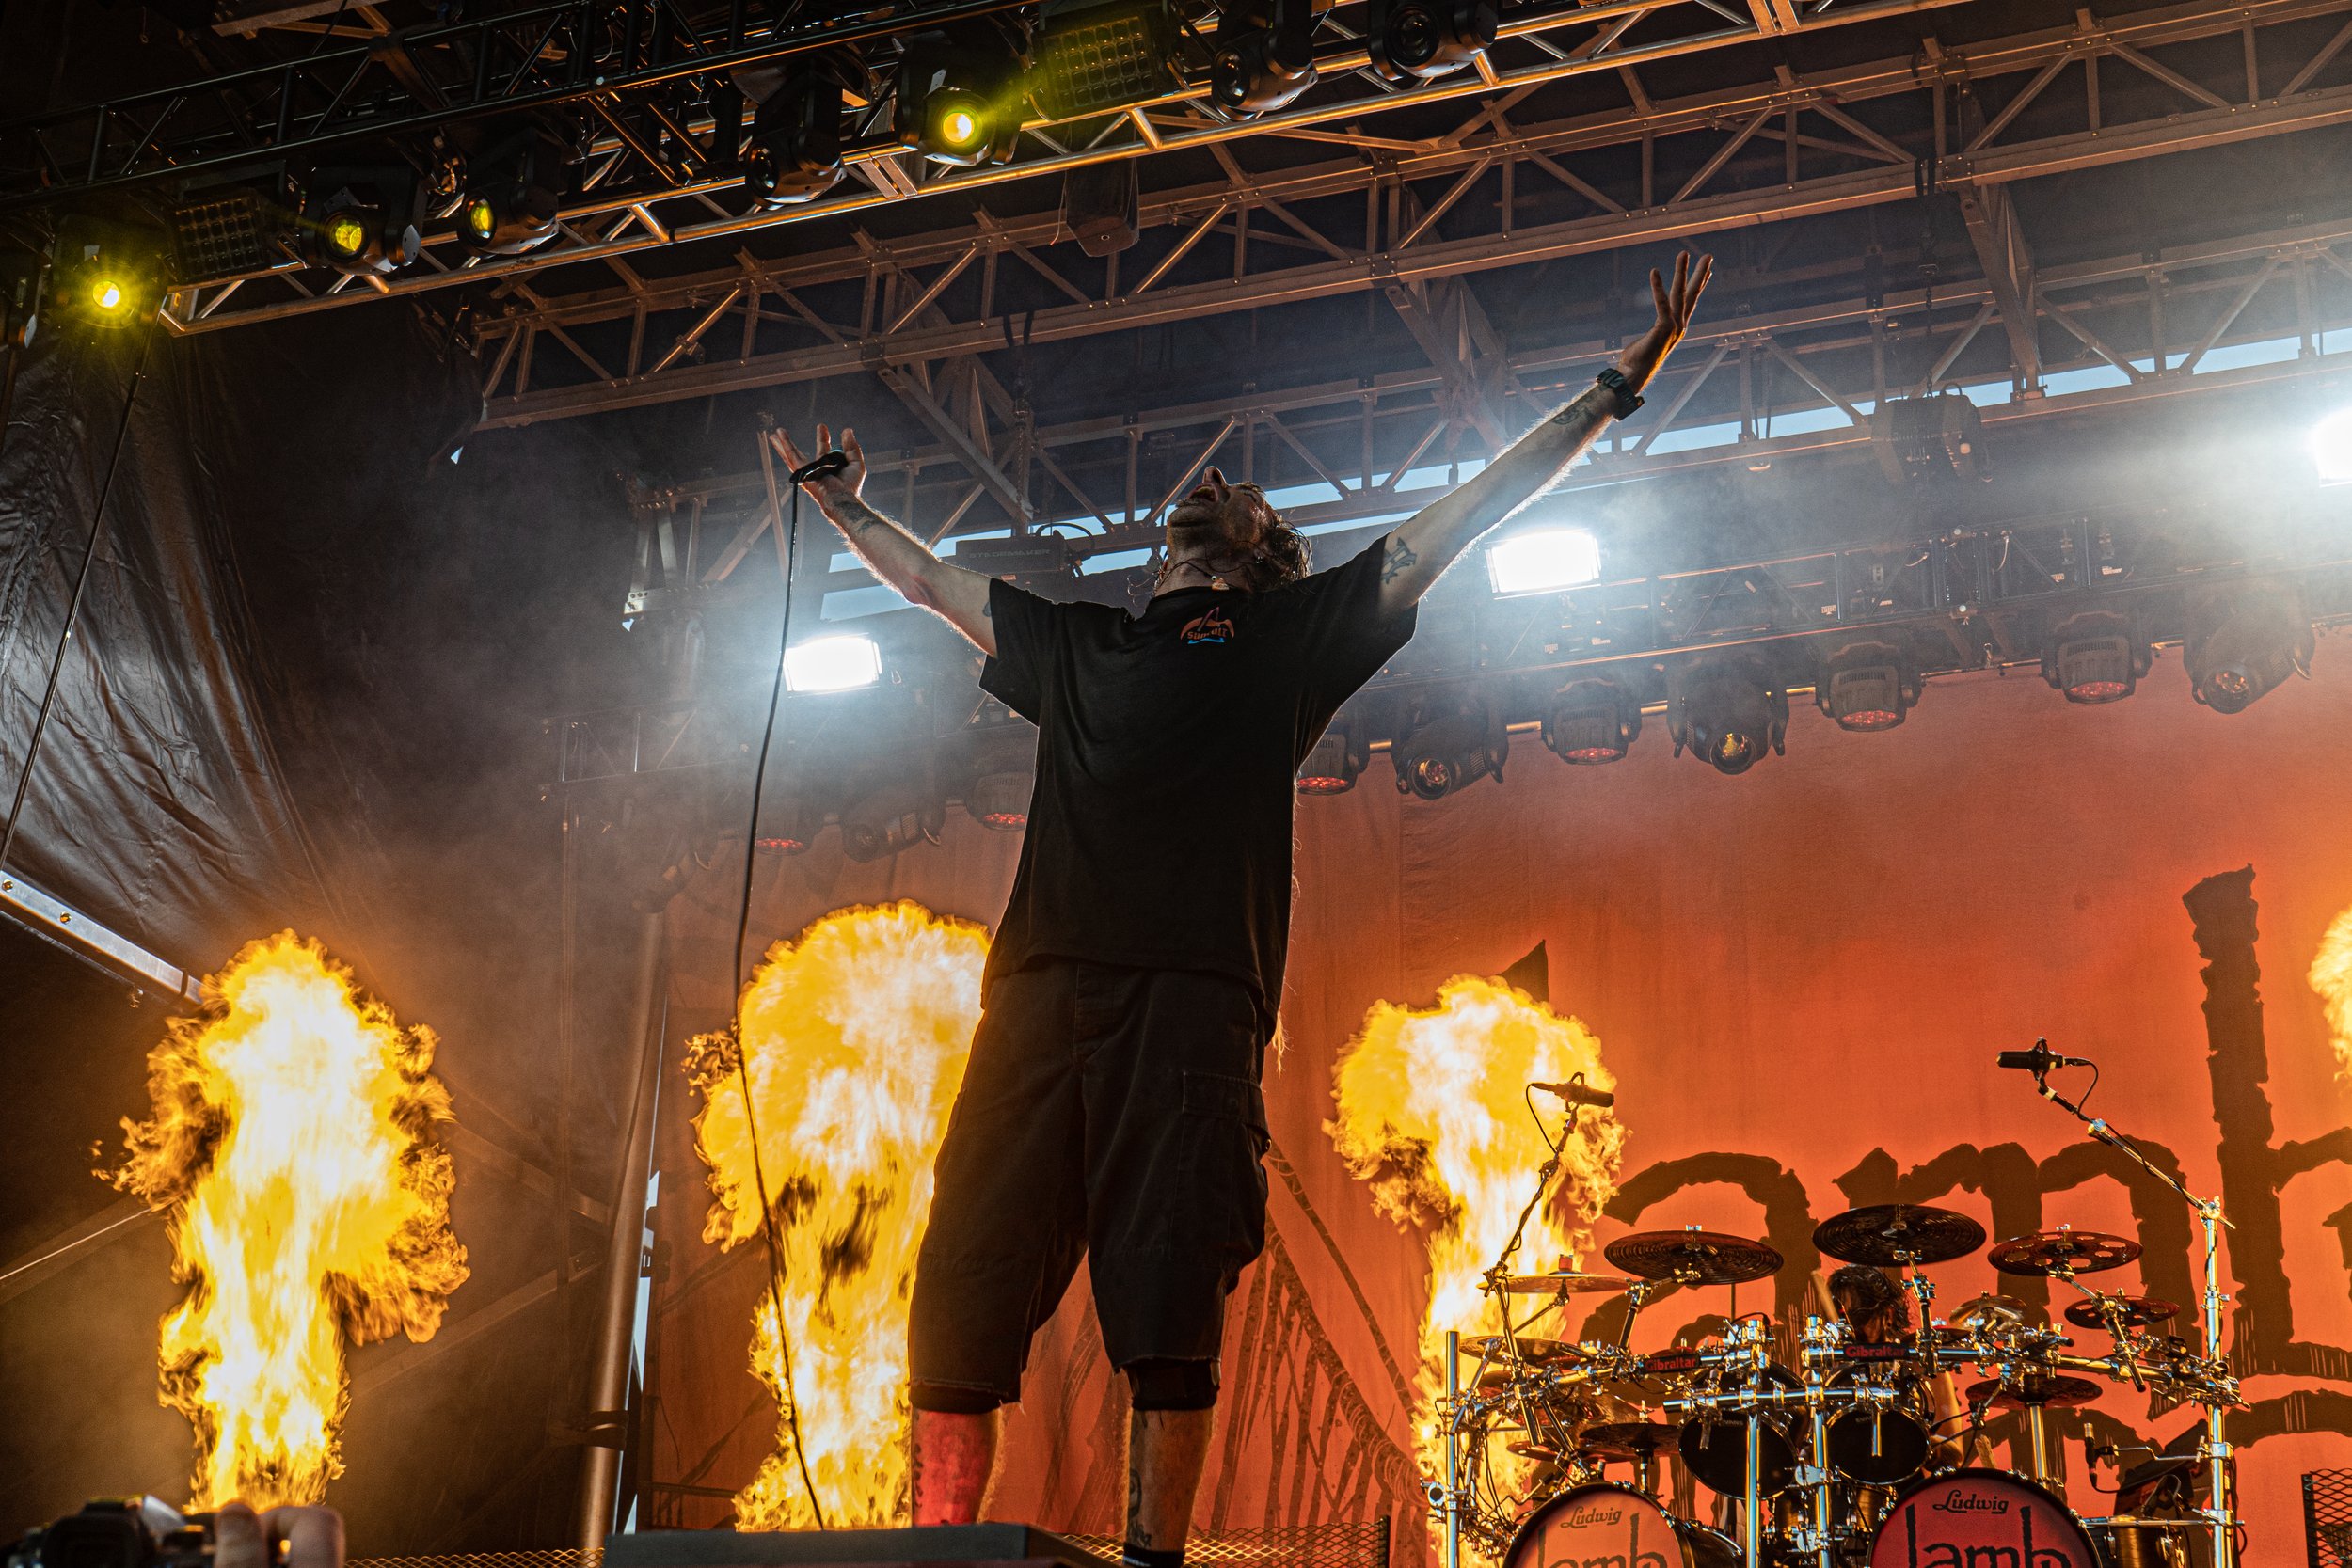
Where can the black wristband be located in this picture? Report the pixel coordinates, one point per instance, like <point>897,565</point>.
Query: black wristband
<point>1613,381</point>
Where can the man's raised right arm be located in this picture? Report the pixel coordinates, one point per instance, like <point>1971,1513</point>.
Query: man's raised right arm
<point>958,596</point>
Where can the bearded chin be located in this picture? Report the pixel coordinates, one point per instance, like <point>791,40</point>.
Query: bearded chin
<point>1198,531</point>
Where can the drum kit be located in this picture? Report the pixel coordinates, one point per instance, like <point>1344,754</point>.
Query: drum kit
<point>1832,1443</point>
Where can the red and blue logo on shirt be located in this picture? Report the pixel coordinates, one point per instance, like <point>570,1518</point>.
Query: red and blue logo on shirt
<point>1212,626</point>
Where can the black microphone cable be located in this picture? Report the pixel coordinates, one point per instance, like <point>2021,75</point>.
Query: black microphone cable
<point>817,467</point>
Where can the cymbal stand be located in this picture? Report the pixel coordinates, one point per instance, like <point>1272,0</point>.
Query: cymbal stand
<point>1452,1500</point>
<point>1819,1346</point>
<point>2220,1389</point>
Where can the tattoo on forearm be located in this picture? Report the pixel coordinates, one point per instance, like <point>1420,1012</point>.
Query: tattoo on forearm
<point>1399,558</point>
<point>1585,409</point>
<point>856,517</point>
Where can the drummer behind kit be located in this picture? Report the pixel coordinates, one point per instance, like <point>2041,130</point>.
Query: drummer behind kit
<point>1866,1453</point>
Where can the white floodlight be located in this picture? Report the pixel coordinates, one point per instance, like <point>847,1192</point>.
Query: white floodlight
<point>1543,561</point>
<point>2331,447</point>
<point>833,663</point>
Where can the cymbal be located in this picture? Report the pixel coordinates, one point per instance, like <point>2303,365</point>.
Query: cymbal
<point>1566,1282</point>
<point>1990,1307</point>
<point>1542,1453</point>
<point>2063,1251</point>
<point>2135,1311</point>
<point>1629,1440</point>
<point>2049,1390</point>
<point>1893,1234</point>
<point>1702,1257</point>
<point>1543,1353</point>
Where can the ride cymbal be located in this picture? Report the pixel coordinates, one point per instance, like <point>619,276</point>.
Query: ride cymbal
<point>1627,1440</point>
<point>1694,1256</point>
<point>2064,1250</point>
<point>1566,1282</point>
<point>2134,1311</point>
<point>1889,1235</point>
<point>1542,1352</point>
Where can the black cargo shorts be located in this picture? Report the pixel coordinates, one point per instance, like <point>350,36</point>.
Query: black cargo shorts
<point>1109,1112</point>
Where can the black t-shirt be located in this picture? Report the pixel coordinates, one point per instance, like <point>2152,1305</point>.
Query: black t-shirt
<point>1160,833</point>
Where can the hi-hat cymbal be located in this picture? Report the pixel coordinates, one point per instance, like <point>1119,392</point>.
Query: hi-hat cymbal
<point>2054,1391</point>
<point>1543,1353</point>
<point>2064,1250</point>
<point>1629,1440</point>
<point>1694,1256</point>
<point>1892,1234</point>
<point>1566,1282</point>
<point>2132,1311</point>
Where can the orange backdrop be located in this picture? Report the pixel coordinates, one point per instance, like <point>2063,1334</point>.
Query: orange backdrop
<point>1800,978</point>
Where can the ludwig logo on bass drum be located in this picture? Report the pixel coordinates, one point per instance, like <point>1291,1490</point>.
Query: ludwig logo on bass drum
<point>1957,1501</point>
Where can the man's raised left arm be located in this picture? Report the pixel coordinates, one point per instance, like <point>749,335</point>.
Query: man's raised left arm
<point>1424,545</point>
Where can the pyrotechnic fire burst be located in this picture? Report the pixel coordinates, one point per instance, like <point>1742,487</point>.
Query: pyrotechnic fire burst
<point>855,1039</point>
<point>1431,1112</point>
<point>292,1151</point>
<point>2331,977</point>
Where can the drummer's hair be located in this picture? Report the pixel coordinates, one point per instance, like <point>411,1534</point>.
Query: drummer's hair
<point>1874,1297</point>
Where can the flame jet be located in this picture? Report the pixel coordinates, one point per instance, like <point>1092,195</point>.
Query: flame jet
<point>291,1152</point>
<point>855,1039</point>
<point>1433,1116</point>
<point>2331,977</point>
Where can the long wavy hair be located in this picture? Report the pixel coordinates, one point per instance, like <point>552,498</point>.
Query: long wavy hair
<point>1280,556</point>
<point>1864,1294</point>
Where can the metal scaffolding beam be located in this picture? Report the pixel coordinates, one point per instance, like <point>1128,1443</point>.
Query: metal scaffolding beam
<point>848,352</point>
<point>606,227</point>
<point>1837,355</point>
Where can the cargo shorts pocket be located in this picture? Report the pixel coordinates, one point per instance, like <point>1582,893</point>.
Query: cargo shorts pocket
<point>1226,1139</point>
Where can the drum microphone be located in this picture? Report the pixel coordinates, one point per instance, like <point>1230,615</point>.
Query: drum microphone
<point>2040,1059</point>
<point>1575,1093</point>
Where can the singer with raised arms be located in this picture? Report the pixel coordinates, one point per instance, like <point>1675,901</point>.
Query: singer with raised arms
<point>1111,1107</point>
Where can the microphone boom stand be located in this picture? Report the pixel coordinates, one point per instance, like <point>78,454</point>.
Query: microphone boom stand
<point>2219,1513</point>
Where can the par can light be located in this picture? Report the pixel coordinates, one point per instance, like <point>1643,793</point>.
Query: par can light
<point>843,663</point>
<point>1542,560</point>
<point>2096,657</point>
<point>1592,722</point>
<point>1867,686</point>
<point>2331,447</point>
<point>1337,758</point>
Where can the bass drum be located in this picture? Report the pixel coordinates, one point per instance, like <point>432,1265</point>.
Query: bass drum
<point>1614,1524</point>
<point>1972,1516</point>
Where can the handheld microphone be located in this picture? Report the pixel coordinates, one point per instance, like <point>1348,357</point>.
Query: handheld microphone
<point>2040,1059</point>
<point>822,466</point>
<point>1575,1093</point>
